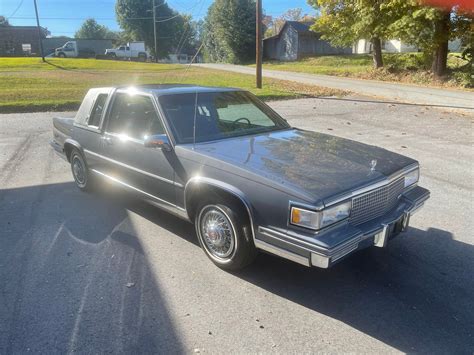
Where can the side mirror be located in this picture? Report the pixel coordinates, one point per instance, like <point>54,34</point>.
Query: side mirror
<point>159,141</point>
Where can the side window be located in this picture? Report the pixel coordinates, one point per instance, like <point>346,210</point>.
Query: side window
<point>97,110</point>
<point>134,116</point>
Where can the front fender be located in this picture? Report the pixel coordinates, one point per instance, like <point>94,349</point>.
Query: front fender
<point>199,182</point>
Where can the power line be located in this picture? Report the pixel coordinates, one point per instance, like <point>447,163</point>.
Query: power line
<point>86,18</point>
<point>170,18</point>
<point>184,38</point>
<point>182,41</point>
<point>16,10</point>
<point>192,61</point>
<point>39,31</point>
<point>96,18</point>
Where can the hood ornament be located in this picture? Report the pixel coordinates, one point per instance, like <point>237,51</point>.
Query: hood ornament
<point>373,164</point>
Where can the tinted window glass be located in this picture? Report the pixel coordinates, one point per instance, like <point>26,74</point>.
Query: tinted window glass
<point>97,110</point>
<point>134,116</point>
<point>218,115</point>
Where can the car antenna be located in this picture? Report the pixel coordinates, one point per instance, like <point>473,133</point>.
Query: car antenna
<point>194,120</point>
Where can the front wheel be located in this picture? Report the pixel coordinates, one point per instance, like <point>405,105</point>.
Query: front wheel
<point>225,236</point>
<point>80,171</point>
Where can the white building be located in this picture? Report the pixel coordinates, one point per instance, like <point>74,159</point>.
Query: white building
<point>364,46</point>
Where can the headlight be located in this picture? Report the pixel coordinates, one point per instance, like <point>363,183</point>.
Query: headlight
<point>336,214</point>
<point>319,219</point>
<point>305,218</point>
<point>412,177</point>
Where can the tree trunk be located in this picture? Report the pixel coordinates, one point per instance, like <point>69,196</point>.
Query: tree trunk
<point>377,52</point>
<point>440,52</point>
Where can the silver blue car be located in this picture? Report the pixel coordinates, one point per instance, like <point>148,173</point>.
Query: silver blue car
<point>225,161</point>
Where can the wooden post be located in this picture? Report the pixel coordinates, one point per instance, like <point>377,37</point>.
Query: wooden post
<point>39,32</point>
<point>154,32</point>
<point>259,45</point>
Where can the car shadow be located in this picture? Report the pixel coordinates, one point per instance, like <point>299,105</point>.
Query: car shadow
<point>75,277</point>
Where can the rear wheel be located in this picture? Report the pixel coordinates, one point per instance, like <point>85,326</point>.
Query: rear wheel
<point>225,236</point>
<point>80,171</point>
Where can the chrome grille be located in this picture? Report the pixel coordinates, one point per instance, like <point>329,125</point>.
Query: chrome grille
<point>375,203</point>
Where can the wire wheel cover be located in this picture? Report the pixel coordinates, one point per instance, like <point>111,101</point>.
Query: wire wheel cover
<point>217,233</point>
<point>78,170</point>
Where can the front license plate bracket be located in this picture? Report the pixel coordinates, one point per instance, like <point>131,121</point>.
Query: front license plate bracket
<point>390,231</point>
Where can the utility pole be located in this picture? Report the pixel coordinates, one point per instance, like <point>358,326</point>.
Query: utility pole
<point>154,32</point>
<point>39,32</point>
<point>259,45</point>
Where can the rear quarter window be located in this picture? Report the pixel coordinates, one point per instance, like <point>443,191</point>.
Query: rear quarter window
<point>97,111</point>
<point>83,115</point>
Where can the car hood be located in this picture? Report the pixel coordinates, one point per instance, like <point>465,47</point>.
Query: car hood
<point>316,164</point>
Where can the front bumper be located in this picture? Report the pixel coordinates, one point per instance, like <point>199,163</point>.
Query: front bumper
<point>328,247</point>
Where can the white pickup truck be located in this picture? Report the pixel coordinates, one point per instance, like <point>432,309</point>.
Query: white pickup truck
<point>132,50</point>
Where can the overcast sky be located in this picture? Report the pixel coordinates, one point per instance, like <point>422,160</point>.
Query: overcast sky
<point>63,17</point>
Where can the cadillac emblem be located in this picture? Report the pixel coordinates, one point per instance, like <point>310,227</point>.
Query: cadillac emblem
<point>373,164</point>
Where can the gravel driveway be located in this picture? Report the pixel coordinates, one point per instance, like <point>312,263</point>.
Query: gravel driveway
<point>107,273</point>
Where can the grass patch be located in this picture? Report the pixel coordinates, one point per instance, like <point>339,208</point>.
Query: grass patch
<point>27,84</point>
<point>399,67</point>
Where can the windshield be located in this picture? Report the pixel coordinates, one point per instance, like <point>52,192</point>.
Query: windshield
<point>218,115</point>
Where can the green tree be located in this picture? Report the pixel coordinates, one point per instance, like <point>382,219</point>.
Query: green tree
<point>122,37</point>
<point>189,41</point>
<point>344,22</point>
<point>4,21</point>
<point>91,29</point>
<point>464,30</point>
<point>229,31</point>
<point>431,28</point>
<point>135,17</point>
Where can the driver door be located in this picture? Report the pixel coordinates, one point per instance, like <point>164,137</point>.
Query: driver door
<point>132,118</point>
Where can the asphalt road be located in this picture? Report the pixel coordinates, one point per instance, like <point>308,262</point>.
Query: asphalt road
<point>107,273</point>
<point>442,97</point>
